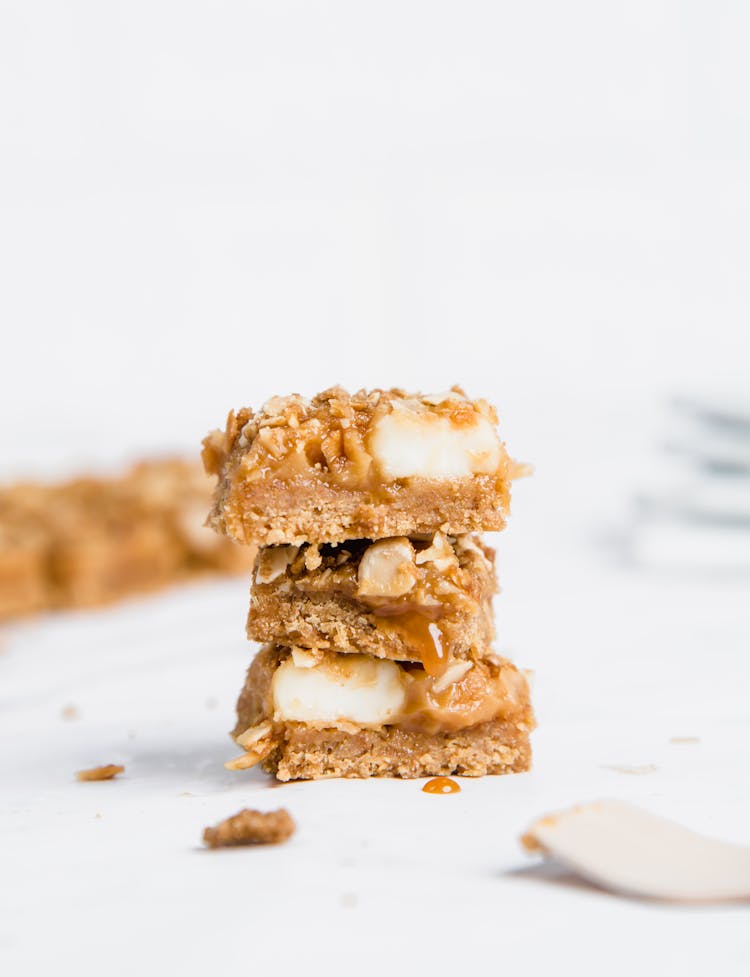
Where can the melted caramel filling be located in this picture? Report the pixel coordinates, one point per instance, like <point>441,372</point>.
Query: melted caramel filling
<point>420,628</point>
<point>485,693</point>
<point>441,785</point>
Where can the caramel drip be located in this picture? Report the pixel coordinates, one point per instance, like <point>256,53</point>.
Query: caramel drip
<point>441,785</point>
<point>420,629</point>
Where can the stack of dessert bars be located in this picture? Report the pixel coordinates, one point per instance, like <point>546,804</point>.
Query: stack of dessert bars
<point>372,592</point>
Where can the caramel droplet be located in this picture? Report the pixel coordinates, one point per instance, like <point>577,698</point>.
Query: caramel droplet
<point>441,785</point>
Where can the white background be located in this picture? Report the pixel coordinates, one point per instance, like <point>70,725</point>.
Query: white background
<point>205,204</point>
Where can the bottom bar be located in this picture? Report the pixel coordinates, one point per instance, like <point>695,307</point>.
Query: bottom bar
<point>307,717</point>
<point>305,753</point>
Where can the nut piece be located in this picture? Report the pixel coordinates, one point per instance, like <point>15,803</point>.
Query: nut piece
<point>273,561</point>
<point>313,559</point>
<point>467,543</point>
<point>440,553</point>
<point>302,658</point>
<point>453,673</point>
<point>257,741</point>
<point>251,828</point>
<point>387,568</point>
<point>435,400</point>
<point>107,772</point>
<point>253,735</point>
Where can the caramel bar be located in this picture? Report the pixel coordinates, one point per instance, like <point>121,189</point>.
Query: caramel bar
<point>352,715</point>
<point>93,540</point>
<point>363,466</point>
<point>426,600</point>
<point>24,586</point>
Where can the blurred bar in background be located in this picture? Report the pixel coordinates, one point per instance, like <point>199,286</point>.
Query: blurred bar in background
<point>91,541</point>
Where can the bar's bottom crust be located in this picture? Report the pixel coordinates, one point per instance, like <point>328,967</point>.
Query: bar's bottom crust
<point>306,753</point>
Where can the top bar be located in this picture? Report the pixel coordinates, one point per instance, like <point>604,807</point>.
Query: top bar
<point>359,466</point>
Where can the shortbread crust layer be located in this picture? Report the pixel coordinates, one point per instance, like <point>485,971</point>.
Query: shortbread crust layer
<point>305,753</point>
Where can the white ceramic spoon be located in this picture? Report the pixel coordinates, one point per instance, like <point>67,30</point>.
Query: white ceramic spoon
<point>620,847</point>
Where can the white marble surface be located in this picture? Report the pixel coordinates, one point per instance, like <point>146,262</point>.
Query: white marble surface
<point>112,875</point>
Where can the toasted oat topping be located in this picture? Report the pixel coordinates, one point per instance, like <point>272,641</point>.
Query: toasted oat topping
<point>329,432</point>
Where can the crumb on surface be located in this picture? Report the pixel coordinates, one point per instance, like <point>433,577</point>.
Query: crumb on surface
<point>70,712</point>
<point>637,770</point>
<point>249,827</point>
<point>680,740</point>
<point>106,772</point>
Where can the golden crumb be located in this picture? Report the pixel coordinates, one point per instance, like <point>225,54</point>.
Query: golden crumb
<point>106,772</point>
<point>251,828</point>
<point>69,712</point>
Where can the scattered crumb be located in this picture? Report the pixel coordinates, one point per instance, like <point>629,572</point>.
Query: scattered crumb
<point>348,900</point>
<point>211,702</point>
<point>107,772</point>
<point>251,828</point>
<point>646,768</point>
<point>70,713</point>
<point>97,816</point>
<point>684,739</point>
<point>186,793</point>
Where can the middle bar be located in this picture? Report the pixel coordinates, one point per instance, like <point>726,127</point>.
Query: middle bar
<point>424,599</point>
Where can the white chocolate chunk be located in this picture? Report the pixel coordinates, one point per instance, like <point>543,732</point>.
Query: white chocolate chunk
<point>342,688</point>
<point>387,568</point>
<point>408,443</point>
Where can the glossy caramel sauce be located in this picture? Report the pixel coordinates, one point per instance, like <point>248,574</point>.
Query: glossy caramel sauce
<point>420,629</point>
<point>441,785</point>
